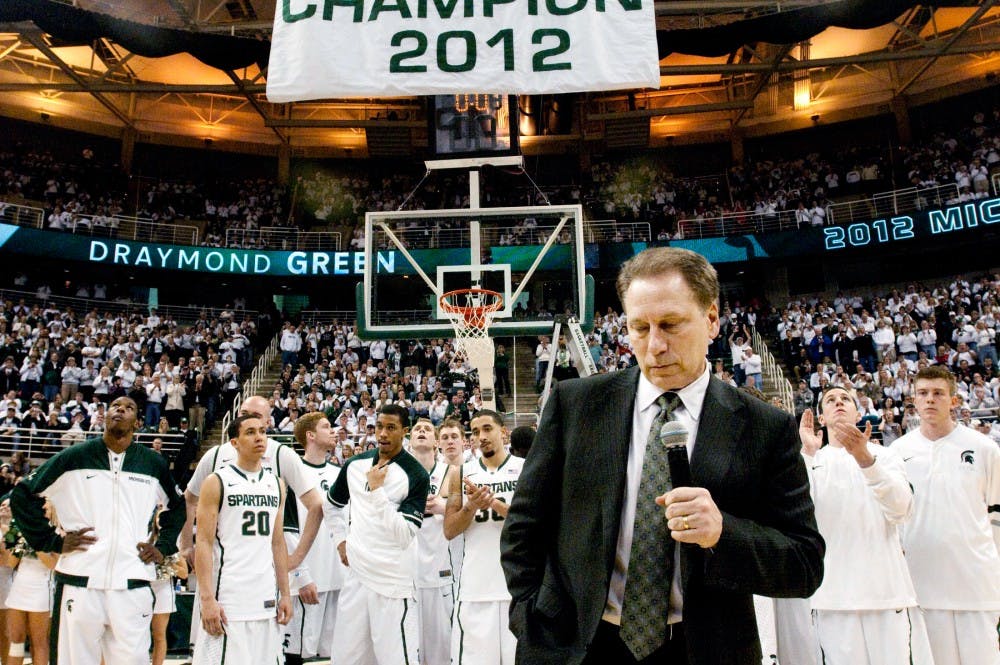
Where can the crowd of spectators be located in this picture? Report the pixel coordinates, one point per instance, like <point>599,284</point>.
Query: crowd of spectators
<point>327,367</point>
<point>82,192</point>
<point>874,344</point>
<point>963,155</point>
<point>59,369</point>
<point>244,206</point>
<point>85,194</point>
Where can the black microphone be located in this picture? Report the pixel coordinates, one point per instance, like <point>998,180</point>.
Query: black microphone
<point>674,436</point>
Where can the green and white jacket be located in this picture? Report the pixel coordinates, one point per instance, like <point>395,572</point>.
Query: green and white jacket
<point>118,495</point>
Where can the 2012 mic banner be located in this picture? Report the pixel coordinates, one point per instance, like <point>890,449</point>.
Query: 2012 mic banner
<point>350,48</point>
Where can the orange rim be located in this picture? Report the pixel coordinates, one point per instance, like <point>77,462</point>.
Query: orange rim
<point>474,315</point>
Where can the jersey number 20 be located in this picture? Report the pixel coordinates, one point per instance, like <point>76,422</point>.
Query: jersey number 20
<point>256,524</point>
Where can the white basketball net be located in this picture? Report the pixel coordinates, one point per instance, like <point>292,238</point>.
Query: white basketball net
<point>471,321</point>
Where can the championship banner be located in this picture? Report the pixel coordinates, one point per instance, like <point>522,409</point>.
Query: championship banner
<point>362,48</point>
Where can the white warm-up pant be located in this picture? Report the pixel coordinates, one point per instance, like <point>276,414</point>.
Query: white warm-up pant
<point>796,635</point>
<point>766,625</point>
<point>373,629</point>
<point>88,624</point>
<point>310,632</point>
<point>873,637</point>
<point>436,605</point>
<point>255,642</point>
<point>963,638</point>
<point>480,634</point>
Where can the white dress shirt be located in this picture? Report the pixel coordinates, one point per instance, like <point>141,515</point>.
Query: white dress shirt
<point>643,414</point>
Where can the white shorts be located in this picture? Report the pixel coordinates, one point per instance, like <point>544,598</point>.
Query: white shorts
<point>966,638</point>
<point>480,634</point>
<point>31,590</point>
<point>81,620</point>
<point>436,605</point>
<point>6,579</point>
<point>310,632</point>
<point>166,602</point>
<point>245,642</point>
<point>373,629</point>
<point>873,637</point>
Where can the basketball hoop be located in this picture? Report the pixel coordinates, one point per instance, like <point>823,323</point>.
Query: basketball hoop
<point>471,312</point>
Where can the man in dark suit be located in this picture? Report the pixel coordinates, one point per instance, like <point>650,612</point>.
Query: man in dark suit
<point>574,527</point>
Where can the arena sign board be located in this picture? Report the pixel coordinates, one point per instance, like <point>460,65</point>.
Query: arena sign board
<point>350,48</point>
<point>963,221</point>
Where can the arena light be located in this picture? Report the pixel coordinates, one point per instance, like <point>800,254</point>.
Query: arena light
<point>803,94</point>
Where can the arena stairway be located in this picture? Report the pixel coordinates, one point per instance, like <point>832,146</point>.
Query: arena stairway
<point>264,389</point>
<point>522,410</point>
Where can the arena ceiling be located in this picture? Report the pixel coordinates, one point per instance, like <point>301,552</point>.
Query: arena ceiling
<point>745,66</point>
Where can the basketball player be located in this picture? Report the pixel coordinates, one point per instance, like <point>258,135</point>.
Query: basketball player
<point>104,491</point>
<point>480,632</point>
<point>310,632</point>
<point>434,573</point>
<point>387,492</point>
<point>451,439</point>
<point>278,459</point>
<point>241,560</point>
<point>951,547</point>
<point>861,496</point>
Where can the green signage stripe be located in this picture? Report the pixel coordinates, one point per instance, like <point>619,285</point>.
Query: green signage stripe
<point>957,221</point>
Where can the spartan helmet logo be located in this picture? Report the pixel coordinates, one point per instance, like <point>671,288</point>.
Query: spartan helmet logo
<point>69,605</point>
<point>968,457</point>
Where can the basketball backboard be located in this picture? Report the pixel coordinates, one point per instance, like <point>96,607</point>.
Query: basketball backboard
<point>533,256</point>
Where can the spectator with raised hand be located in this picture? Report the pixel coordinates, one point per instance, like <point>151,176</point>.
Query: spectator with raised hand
<point>438,409</point>
<point>738,346</point>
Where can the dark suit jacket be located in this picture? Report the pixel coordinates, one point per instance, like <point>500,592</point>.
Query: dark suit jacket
<point>559,539</point>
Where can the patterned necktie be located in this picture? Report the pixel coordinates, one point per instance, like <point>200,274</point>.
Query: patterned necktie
<point>651,560</point>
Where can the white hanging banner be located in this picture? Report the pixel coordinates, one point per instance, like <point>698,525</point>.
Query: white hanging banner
<point>362,48</point>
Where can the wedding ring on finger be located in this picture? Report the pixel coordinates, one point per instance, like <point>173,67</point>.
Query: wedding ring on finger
<point>684,521</point>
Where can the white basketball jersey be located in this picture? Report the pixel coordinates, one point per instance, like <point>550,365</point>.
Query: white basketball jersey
<point>482,578</point>
<point>323,560</point>
<point>243,564</point>
<point>433,558</point>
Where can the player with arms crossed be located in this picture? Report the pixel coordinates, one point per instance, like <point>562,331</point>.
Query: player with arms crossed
<point>387,492</point>
<point>480,632</point>
<point>310,632</point>
<point>241,560</point>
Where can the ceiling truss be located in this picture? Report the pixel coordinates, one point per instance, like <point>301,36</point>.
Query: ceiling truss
<point>730,88</point>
